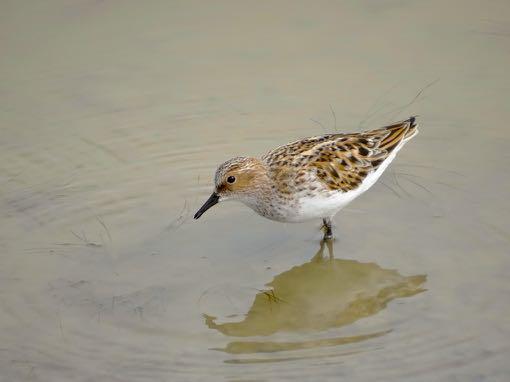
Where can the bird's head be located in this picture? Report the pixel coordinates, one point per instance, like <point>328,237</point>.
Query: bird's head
<point>239,178</point>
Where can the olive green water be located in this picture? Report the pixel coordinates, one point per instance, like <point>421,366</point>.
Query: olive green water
<point>113,118</point>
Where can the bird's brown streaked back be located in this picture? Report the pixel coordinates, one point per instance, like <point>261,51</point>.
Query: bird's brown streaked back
<point>342,161</point>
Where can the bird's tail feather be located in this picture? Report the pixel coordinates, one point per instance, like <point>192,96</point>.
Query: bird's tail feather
<point>399,132</point>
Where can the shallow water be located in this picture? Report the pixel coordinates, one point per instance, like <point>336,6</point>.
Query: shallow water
<point>113,118</point>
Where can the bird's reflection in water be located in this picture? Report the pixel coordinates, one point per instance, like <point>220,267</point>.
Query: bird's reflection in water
<point>321,294</point>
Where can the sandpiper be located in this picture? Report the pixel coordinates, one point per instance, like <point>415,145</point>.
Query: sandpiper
<point>311,178</point>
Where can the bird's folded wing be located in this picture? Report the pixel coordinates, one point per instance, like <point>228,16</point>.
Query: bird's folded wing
<point>342,162</point>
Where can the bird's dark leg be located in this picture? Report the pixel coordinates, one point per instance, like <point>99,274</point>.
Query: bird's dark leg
<point>328,228</point>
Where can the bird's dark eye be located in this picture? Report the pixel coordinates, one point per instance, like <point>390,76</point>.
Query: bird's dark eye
<point>231,179</point>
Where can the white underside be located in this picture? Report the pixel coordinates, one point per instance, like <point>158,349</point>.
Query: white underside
<point>322,206</point>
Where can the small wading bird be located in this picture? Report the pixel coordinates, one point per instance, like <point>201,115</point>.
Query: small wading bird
<point>311,178</point>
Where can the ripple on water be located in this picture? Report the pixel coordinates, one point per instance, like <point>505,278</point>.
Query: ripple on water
<point>113,177</point>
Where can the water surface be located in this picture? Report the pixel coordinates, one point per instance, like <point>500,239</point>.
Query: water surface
<point>113,118</point>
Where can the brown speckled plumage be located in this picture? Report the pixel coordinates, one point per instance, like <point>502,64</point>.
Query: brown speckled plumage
<point>340,161</point>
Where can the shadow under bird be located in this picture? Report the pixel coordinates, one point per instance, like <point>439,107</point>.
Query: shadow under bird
<point>311,178</point>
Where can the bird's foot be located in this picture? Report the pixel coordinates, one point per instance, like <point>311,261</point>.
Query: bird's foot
<point>328,236</point>
<point>328,229</point>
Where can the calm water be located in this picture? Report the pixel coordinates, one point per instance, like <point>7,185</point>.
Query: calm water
<point>113,118</point>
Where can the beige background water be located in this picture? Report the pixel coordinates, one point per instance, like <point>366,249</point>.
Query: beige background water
<point>113,118</point>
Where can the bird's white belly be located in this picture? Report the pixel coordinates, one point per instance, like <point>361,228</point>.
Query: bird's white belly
<point>323,205</point>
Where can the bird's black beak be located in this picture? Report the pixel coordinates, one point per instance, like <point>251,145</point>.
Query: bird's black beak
<point>213,199</point>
